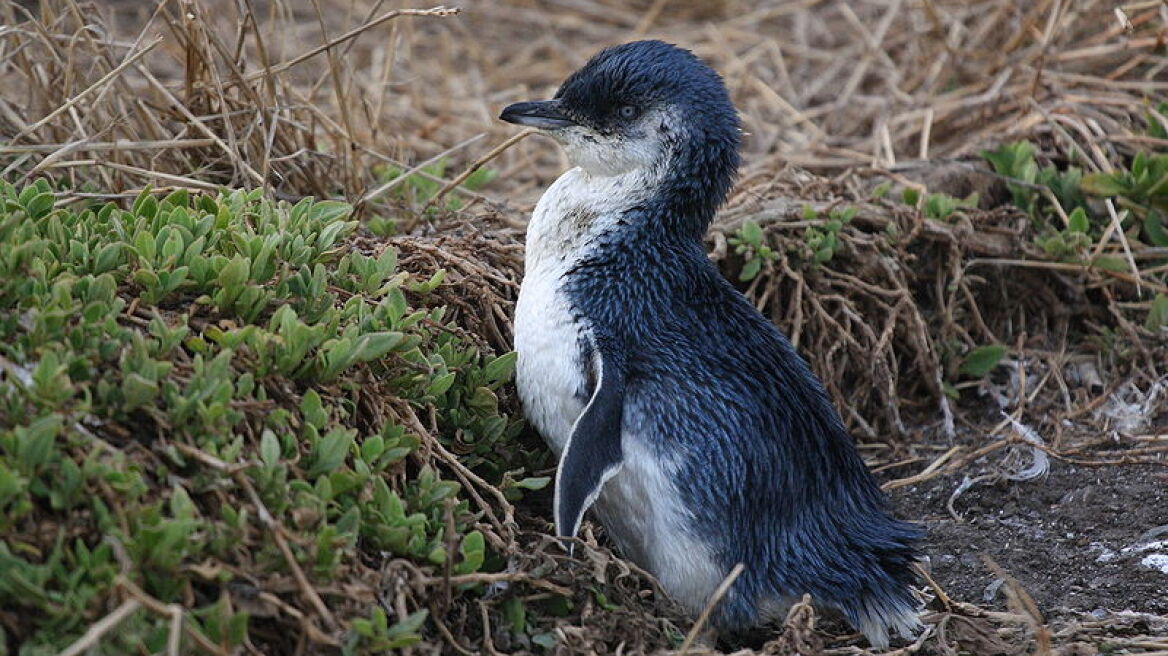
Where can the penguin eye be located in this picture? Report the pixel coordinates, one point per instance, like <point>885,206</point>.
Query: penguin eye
<point>628,112</point>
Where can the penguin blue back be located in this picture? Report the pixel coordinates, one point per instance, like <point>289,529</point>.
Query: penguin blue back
<point>681,416</point>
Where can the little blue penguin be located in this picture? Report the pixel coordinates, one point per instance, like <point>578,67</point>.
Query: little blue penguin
<point>682,417</point>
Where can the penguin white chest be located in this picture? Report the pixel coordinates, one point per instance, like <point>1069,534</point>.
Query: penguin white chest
<point>550,370</point>
<point>548,374</point>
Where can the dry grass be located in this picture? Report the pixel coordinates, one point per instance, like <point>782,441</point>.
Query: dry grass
<point>241,92</point>
<point>314,98</point>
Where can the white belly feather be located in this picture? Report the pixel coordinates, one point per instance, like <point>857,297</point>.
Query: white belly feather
<point>641,509</point>
<point>548,372</point>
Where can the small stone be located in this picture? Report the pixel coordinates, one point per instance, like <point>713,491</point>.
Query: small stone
<point>1156,561</point>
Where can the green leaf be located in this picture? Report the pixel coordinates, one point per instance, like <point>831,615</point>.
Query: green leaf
<point>473,552</point>
<point>39,205</point>
<point>331,450</point>
<point>328,211</point>
<point>372,447</point>
<point>329,235</point>
<point>11,486</point>
<point>237,628</point>
<point>1158,314</point>
<point>380,621</point>
<point>405,632</point>
<point>981,360</point>
<point>440,384</point>
<point>483,400</point>
<point>515,614</point>
<point>430,285</point>
<point>1077,221</point>
<point>173,246</point>
<point>364,627</point>
<point>235,273</point>
<point>145,247</point>
<point>178,198</point>
<point>1103,184</point>
<point>26,194</point>
<point>479,178</point>
<point>939,206</point>
<point>500,369</point>
<point>313,409</point>
<point>387,261</point>
<point>1139,165</point>
<point>375,345</point>
<point>1111,263</point>
<point>750,269</point>
<point>269,448</point>
<point>147,279</point>
<point>602,600</point>
<point>1154,228</point>
<point>181,506</point>
<point>35,442</point>
<point>1002,159</point>
<point>108,257</point>
<point>145,204</point>
<point>137,390</point>
<point>534,482</point>
<point>752,233</point>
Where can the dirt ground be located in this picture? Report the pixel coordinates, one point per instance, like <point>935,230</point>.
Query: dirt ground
<point>1078,540</point>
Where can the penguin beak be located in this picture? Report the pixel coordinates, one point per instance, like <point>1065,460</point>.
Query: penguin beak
<point>543,114</point>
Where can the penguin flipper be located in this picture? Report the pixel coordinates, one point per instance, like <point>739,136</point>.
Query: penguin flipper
<point>593,453</point>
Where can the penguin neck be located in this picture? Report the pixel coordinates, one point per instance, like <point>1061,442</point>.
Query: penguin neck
<point>582,209</point>
<point>696,183</point>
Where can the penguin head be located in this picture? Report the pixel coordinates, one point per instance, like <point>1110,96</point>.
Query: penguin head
<point>644,106</point>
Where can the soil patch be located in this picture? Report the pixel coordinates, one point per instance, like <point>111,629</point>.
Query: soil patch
<point>1079,540</point>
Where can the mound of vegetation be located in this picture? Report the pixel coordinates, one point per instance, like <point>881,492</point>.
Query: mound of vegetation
<point>213,399</point>
<point>905,290</point>
<point>235,425</point>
